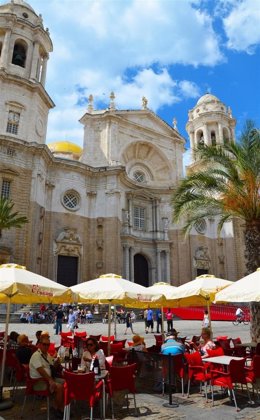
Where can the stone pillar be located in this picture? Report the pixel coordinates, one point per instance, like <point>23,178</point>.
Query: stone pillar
<point>168,273</point>
<point>158,264</point>
<point>44,71</point>
<point>132,266</point>
<point>35,58</point>
<point>220,133</point>
<point>206,135</point>
<point>192,144</point>
<point>5,49</point>
<point>126,262</point>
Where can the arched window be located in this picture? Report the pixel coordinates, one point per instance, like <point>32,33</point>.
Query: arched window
<point>226,136</point>
<point>200,138</point>
<point>19,53</point>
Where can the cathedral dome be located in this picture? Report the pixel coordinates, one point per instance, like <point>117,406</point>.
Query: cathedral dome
<point>207,98</point>
<point>20,3</point>
<point>65,148</point>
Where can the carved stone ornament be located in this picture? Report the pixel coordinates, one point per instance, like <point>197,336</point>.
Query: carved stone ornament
<point>68,243</point>
<point>201,259</point>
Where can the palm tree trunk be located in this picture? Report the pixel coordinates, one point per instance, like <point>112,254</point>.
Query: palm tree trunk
<point>252,245</point>
<point>255,321</point>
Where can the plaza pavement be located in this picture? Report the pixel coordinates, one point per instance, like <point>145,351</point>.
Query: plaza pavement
<point>151,406</point>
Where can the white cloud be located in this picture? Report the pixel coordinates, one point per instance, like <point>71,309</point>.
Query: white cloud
<point>242,25</point>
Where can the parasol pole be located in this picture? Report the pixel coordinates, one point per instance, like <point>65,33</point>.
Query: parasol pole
<point>162,326</point>
<point>109,328</point>
<point>208,309</point>
<point>115,321</point>
<point>5,404</point>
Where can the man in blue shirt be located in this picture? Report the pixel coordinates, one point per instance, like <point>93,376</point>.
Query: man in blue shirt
<point>149,322</point>
<point>171,345</point>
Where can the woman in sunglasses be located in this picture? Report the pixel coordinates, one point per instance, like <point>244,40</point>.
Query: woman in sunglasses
<point>93,351</point>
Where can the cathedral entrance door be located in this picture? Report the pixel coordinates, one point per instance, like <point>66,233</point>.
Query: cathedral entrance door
<point>67,273</point>
<point>141,272</point>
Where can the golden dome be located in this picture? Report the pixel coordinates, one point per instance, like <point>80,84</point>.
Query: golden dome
<point>65,147</point>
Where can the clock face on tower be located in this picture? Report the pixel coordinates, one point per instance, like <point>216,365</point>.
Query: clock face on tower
<point>39,126</point>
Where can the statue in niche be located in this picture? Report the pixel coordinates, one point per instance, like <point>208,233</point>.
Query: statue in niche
<point>201,259</point>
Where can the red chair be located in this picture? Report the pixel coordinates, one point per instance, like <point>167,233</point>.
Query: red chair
<point>225,344</point>
<point>236,375</point>
<point>120,341</point>
<point>66,339</point>
<point>215,352</point>
<point>158,339</point>
<point>82,334</point>
<point>115,348</point>
<point>253,373</point>
<point>52,349</point>
<point>197,371</point>
<point>30,383</point>
<point>104,346</point>
<point>81,387</point>
<point>97,337</point>
<point>177,370</point>
<point>105,338</point>
<point>122,378</point>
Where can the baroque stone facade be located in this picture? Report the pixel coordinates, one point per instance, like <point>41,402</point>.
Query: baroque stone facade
<point>106,207</point>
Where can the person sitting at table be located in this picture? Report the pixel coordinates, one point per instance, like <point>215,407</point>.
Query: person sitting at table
<point>91,353</point>
<point>207,344</point>
<point>171,345</point>
<point>138,343</point>
<point>23,352</point>
<point>38,336</point>
<point>40,367</point>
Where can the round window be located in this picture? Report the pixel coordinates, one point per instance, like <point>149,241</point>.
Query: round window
<point>71,200</point>
<point>201,226</point>
<point>139,176</point>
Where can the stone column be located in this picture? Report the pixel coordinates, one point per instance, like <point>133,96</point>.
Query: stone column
<point>192,145</point>
<point>44,70</point>
<point>5,49</point>
<point>206,135</point>
<point>168,273</point>
<point>220,133</point>
<point>126,262</point>
<point>158,264</point>
<point>132,266</point>
<point>35,58</point>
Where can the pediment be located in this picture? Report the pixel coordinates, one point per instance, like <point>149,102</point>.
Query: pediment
<point>147,119</point>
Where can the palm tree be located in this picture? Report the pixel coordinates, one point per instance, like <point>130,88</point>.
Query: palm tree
<point>8,218</point>
<point>228,187</point>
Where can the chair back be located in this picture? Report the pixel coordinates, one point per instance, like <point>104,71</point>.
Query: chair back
<point>237,371</point>
<point>78,387</point>
<point>196,339</point>
<point>236,341</point>
<point>116,348</point>
<point>225,344</point>
<point>123,378</point>
<point>194,359</point>
<point>104,346</point>
<point>52,349</point>
<point>120,341</point>
<point>82,334</point>
<point>215,352</point>
<point>105,338</point>
<point>158,339</point>
<point>97,337</point>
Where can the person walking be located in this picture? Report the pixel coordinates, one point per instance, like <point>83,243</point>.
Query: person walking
<point>128,322</point>
<point>158,317</point>
<point>149,323</point>
<point>169,317</point>
<point>59,316</point>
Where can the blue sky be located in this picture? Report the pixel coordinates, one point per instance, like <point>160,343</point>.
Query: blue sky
<point>170,51</point>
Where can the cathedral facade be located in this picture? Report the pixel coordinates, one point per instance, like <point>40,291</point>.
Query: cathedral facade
<point>105,207</point>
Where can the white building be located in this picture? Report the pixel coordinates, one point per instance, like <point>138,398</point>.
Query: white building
<point>106,207</point>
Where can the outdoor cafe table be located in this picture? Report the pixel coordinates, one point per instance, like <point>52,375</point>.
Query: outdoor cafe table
<point>252,344</point>
<point>221,360</point>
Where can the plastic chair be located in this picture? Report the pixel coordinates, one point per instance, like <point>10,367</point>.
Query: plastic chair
<point>30,383</point>
<point>158,339</point>
<point>225,344</point>
<point>253,373</point>
<point>82,334</point>
<point>197,371</point>
<point>120,341</point>
<point>97,337</point>
<point>52,349</point>
<point>104,346</point>
<point>236,375</point>
<point>66,339</point>
<point>105,338</point>
<point>122,378</point>
<point>81,387</point>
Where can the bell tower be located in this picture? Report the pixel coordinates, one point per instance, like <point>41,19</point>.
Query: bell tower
<point>210,122</point>
<point>24,52</point>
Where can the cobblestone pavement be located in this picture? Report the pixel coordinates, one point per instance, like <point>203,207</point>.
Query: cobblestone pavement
<point>150,406</point>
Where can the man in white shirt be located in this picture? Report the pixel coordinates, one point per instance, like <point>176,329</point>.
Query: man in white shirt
<point>239,313</point>
<point>40,367</point>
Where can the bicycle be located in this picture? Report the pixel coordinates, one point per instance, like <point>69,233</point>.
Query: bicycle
<point>240,320</point>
